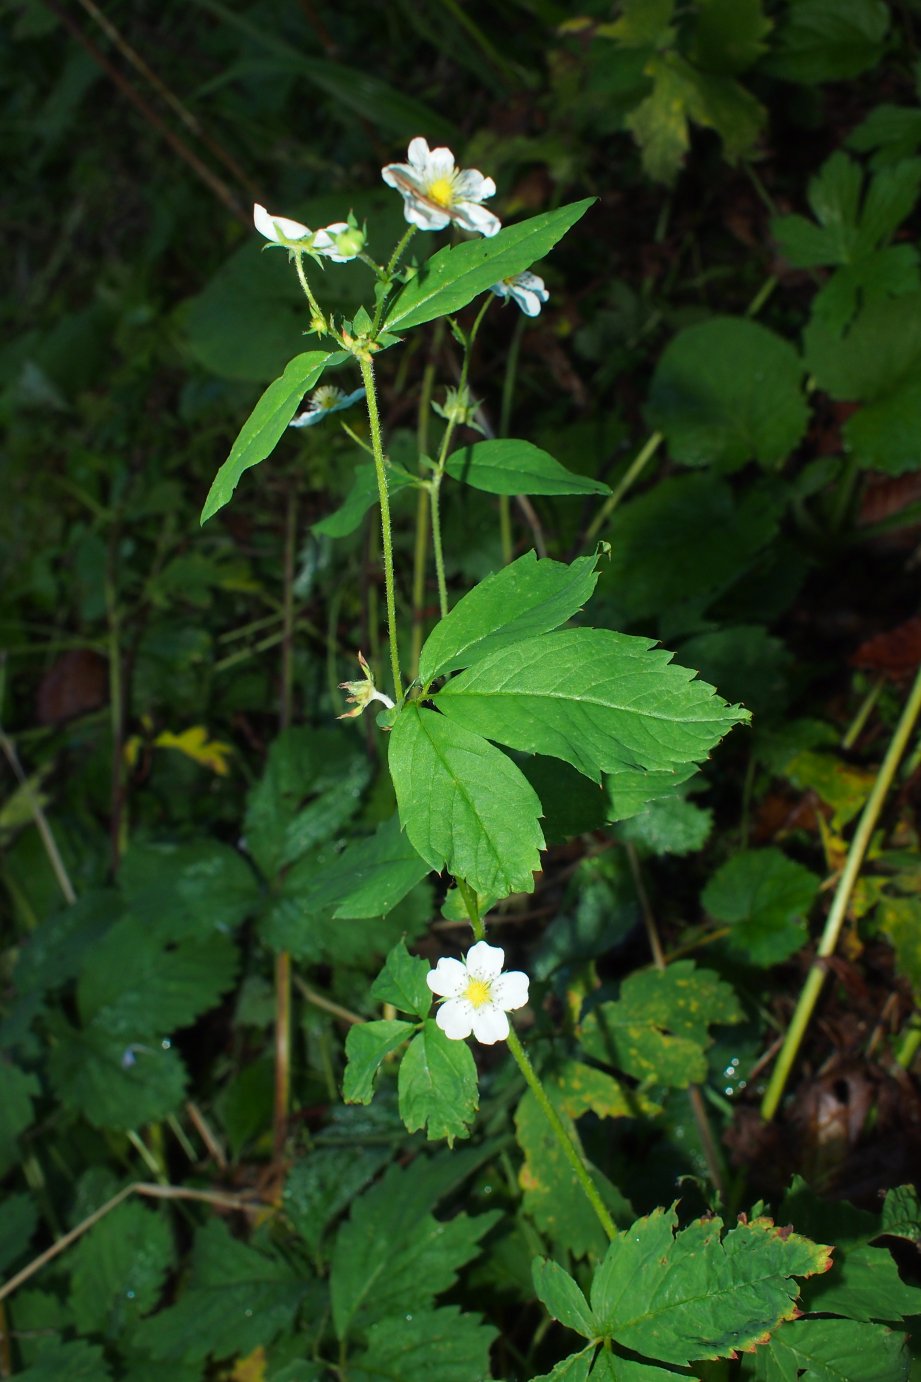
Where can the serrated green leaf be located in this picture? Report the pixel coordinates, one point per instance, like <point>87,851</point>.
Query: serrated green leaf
<point>690,1296</point>
<point>463,804</point>
<point>321,1184</point>
<point>729,35</point>
<point>366,1047</point>
<point>311,786</point>
<point>728,391</point>
<point>669,825</point>
<point>846,230</point>
<point>77,1361</point>
<point>562,1298</point>
<point>113,1081</point>
<point>828,40</point>
<point>459,273</point>
<point>765,898</point>
<point>864,1284</point>
<point>136,986</point>
<point>832,1351</point>
<point>18,1088</point>
<point>180,890</point>
<point>370,877</point>
<point>392,1256</point>
<point>643,23</point>
<point>517,467</point>
<point>902,1213</point>
<point>437,1085</point>
<point>600,700</point>
<point>443,1343</point>
<point>361,497</point>
<point>528,597</point>
<point>900,919</point>
<point>238,1298</point>
<point>575,1368</point>
<point>681,94</point>
<point>56,949</point>
<point>117,1270</point>
<point>658,1029</point>
<point>402,982</point>
<point>267,422</point>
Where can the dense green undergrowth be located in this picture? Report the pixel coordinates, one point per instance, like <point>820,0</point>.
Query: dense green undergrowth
<point>238,1138</point>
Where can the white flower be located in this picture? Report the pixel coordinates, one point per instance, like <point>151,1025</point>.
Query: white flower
<point>323,401</point>
<point>436,192</point>
<point>477,994</point>
<point>339,242</point>
<point>362,693</point>
<point>526,289</point>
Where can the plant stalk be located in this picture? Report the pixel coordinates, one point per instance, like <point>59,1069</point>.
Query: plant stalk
<point>629,479</point>
<point>562,1136</point>
<point>374,420</point>
<point>838,911</point>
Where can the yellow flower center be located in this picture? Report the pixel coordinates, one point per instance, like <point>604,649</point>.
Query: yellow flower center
<point>477,992</point>
<point>441,191</point>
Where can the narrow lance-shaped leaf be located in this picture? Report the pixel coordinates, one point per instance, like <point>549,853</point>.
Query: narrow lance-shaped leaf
<point>463,804</point>
<point>517,467</point>
<point>266,423</point>
<point>599,700</point>
<point>528,597</point>
<point>459,273</point>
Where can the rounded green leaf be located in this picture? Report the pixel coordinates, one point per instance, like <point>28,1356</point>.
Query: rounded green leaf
<point>726,392</point>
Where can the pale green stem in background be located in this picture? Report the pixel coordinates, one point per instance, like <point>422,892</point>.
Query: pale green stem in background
<point>761,297</point>
<point>374,420</point>
<point>836,916</point>
<point>910,1043</point>
<point>629,479</point>
<point>562,1136</point>
<point>855,728</point>
<point>442,460</point>
<point>505,414</point>
<point>41,820</point>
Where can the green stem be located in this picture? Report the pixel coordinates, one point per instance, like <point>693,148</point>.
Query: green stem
<point>855,728</point>
<point>844,494</point>
<point>632,475</point>
<point>505,416</point>
<point>367,376</point>
<point>567,1145</point>
<point>435,500</point>
<point>910,1043</point>
<point>472,903</point>
<point>390,270</point>
<point>318,320</point>
<point>442,461</point>
<point>836,916</point>
<point>420,551</point>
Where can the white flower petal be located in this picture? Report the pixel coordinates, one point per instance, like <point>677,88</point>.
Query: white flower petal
<point>485,961</point>
<point>440,164</point>
<point>273,227</point>
<point>471,186</point>
<point>469,216</point>
<point>455,1018</point>
<point>448,978</point>
<point>489,1024</point>
<point>418,152</point>
<point>510,990</point>
<point>424,216</point>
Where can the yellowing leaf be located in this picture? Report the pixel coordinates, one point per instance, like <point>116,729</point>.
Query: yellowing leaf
<point>251,1368</point>
<point>195,744</point>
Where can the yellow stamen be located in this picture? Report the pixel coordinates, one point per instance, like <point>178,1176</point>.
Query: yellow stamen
<point>441,191</point>
<point>477,992</point>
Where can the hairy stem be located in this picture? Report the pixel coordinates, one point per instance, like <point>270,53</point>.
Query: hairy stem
<point>838,911</point>
<point>567,1145</point>
<point>367,376</point>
